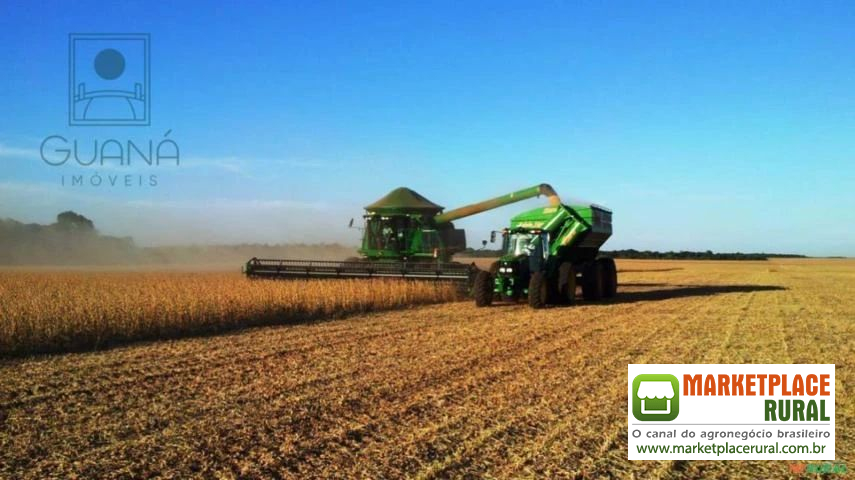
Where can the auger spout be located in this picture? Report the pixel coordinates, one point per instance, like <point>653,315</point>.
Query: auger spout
<point>518,196</point>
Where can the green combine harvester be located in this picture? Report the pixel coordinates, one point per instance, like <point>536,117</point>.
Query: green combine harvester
<point>405,235</point>
<point>547,252</point>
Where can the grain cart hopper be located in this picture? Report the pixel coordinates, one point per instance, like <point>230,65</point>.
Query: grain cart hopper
<point>546,251</point>
<point>405,235</point>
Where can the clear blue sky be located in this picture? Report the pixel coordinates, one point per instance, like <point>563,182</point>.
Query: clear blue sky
<point>703,125</point>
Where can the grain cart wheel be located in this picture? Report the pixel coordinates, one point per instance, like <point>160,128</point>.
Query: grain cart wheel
<point>592,281</point>
<point>538,290</point>
<point>609,277</point>
<point>483,289</point>
<point>567,283</point>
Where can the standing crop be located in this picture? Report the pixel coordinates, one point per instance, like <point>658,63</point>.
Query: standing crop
<point>43,312</point>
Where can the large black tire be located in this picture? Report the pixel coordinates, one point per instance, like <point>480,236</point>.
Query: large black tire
<point>567,284</point>
<point>609,277</point>
<point>592,281</point>
<point>538,290</point>
<point>483,289</point>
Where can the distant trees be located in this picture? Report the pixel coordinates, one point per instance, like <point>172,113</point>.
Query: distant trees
<point>656,255</point>
<point>72,240</point>
<point>72,221</point>
<point>689,255</point>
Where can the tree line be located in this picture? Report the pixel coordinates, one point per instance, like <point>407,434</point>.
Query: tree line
<point>657,255</point>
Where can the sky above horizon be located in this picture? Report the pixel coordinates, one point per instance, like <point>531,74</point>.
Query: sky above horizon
<point>727,126</point>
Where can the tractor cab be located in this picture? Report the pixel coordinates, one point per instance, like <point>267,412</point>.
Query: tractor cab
<point>524,251</point>
<point>384,233</point>
<point>527,243</point>
<point>401,226</point>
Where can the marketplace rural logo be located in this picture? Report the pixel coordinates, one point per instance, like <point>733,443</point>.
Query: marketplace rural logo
<point>731,412</point>
<point>655,397</point>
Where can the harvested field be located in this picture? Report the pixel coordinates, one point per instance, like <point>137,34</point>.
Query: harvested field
<point>430,392</point>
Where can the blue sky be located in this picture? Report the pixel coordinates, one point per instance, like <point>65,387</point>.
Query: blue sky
<point>703,125</point>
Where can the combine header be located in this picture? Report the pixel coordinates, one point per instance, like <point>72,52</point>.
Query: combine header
<point>358,269</point>
<point>405,235</point>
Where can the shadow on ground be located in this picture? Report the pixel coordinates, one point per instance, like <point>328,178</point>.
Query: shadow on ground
<point>676,291</point>
<point>651,270</point>
<point>688,291</point>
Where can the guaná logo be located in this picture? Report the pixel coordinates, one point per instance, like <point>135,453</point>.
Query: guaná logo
<point>655,397</point>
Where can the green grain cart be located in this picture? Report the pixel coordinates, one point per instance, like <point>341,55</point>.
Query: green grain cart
<point>547,252</point>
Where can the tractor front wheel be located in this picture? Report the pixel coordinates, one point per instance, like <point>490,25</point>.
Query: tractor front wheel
<point>538,290</point>
<point>483,289</point>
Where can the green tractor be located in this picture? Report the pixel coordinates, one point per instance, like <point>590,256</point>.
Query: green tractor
<point>547,252</point>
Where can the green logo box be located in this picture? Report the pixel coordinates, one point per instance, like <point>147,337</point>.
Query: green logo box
<point>655,397</point>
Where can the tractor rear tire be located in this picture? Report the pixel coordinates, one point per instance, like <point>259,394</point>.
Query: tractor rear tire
<point>609,277</point>
<point>592,281</point>
<point>567,283</point>
<point>538,290</point>
<point>483,289</point>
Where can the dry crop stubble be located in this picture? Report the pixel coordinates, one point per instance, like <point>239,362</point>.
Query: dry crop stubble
<point>433,392</point>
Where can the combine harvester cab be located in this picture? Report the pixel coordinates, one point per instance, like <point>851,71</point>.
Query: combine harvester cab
<point>547,252</point>
<point>405,235</point>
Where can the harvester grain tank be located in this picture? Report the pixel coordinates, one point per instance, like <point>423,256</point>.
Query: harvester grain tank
<point>546,252</point>
<point>404,235</point>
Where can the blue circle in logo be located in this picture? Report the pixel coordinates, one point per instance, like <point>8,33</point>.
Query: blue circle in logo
<point>109,64</point>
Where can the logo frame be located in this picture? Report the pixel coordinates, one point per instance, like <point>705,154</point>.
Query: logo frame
<point>76,93</point>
